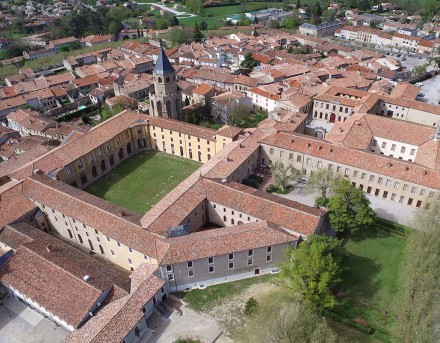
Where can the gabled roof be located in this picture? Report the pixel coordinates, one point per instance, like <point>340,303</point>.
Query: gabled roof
<point>163,65</point>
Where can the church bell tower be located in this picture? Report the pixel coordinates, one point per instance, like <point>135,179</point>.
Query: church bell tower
<point>166,100</point>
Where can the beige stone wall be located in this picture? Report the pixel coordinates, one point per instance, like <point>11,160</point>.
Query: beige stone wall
<point>323,110</point>
<point>180,144</point>
<point>375,184</point>
<point>225,216</point>
<point>94,240</point>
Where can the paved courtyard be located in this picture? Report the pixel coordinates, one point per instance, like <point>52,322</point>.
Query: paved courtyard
<point>431,89</point>
<point>21,324</point>
<point>189,325</point>
<point>385,209</point>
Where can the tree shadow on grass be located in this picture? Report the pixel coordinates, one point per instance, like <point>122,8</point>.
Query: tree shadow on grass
<point>361,233</point>
<point>358,285</point>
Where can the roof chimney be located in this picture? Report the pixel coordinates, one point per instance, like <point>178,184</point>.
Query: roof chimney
<point>122,213</point>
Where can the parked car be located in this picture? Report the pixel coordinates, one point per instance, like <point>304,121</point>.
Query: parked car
<point>303,180</point>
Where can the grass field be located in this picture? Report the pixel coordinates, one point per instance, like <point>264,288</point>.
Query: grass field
<point>143,179</point>
<point>372,276</point>
<point>215,17</point>
<point>206,299</point>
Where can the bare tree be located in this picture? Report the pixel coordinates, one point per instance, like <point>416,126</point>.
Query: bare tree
<point>324,180</point>
<point>284,174</point>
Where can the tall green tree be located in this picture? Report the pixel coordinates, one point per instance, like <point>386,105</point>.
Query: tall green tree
<point>283,174</point>
<point>114,27</point>
<point>429,8</point>
<point>77,24</point>
<point>198,35</point>
<point>179,36</point>
<point>94,23</point>
<point>419,301</point>
<point>364,5</point>
<point>314,269</point>
<point>349,207</point>
<point>238,115</point>
<point>290,23</point>
<point>249,62</point>
<point>203,25</point>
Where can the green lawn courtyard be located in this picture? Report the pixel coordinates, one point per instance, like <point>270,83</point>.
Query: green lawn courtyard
<point>143,179</point>
<point>371,280</point>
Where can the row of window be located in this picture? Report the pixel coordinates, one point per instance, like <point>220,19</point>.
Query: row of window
<point>91,158</point>
<point>347,173</point>
<point>191,272</point>
<point>180,142</point>
<point>394,196</point>
<point>250,253</point>
<point>334,107</point>
<point>180,134</point>
<point>393,147</point>
<point>87,234</point>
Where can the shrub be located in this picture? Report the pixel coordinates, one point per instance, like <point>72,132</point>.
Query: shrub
<point>271,188</point>
<point>321,201</point>
<point>258,178</point>
<point>251,307</point>
<point>187,340</point>
<point>250,182</point>
<point>287,190</point>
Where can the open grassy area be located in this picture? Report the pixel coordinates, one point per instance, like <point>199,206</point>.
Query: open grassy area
<point>371,280</point>
<point>143,179</point>
<point>215,17</point>
<point>206,299</point>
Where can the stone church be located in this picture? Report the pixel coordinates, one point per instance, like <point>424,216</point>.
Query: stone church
<point>166,100</point>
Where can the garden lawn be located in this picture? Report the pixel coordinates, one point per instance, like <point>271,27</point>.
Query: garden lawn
<point>143,179</point>
<point>208,298</point>
<point>371,281</point>
<point>215,17</point>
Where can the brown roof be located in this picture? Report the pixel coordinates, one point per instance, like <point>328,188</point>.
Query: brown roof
<point>31,120</point>
<point>50,286</point>
<point>64,256</point>
<point>405,90</point>
<point>285,213</point>
<point>364,160</point>
<point>229,131</point>
<point>417,105</point>
<point>216,242</point>
<point>94,212</point>
<point>67,153</point>
<point>264,93</point>
<point>115,320</point>
<point>203,89</point>
<point>13,205</point>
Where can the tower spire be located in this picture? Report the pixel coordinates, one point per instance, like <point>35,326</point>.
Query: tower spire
<point>163,64</point>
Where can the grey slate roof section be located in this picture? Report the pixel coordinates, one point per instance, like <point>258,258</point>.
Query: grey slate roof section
<point>163,65</point>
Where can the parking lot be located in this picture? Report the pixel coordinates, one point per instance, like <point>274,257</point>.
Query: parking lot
<point>21,324</point>
<point>385,209</point>
<point>431,90</point>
